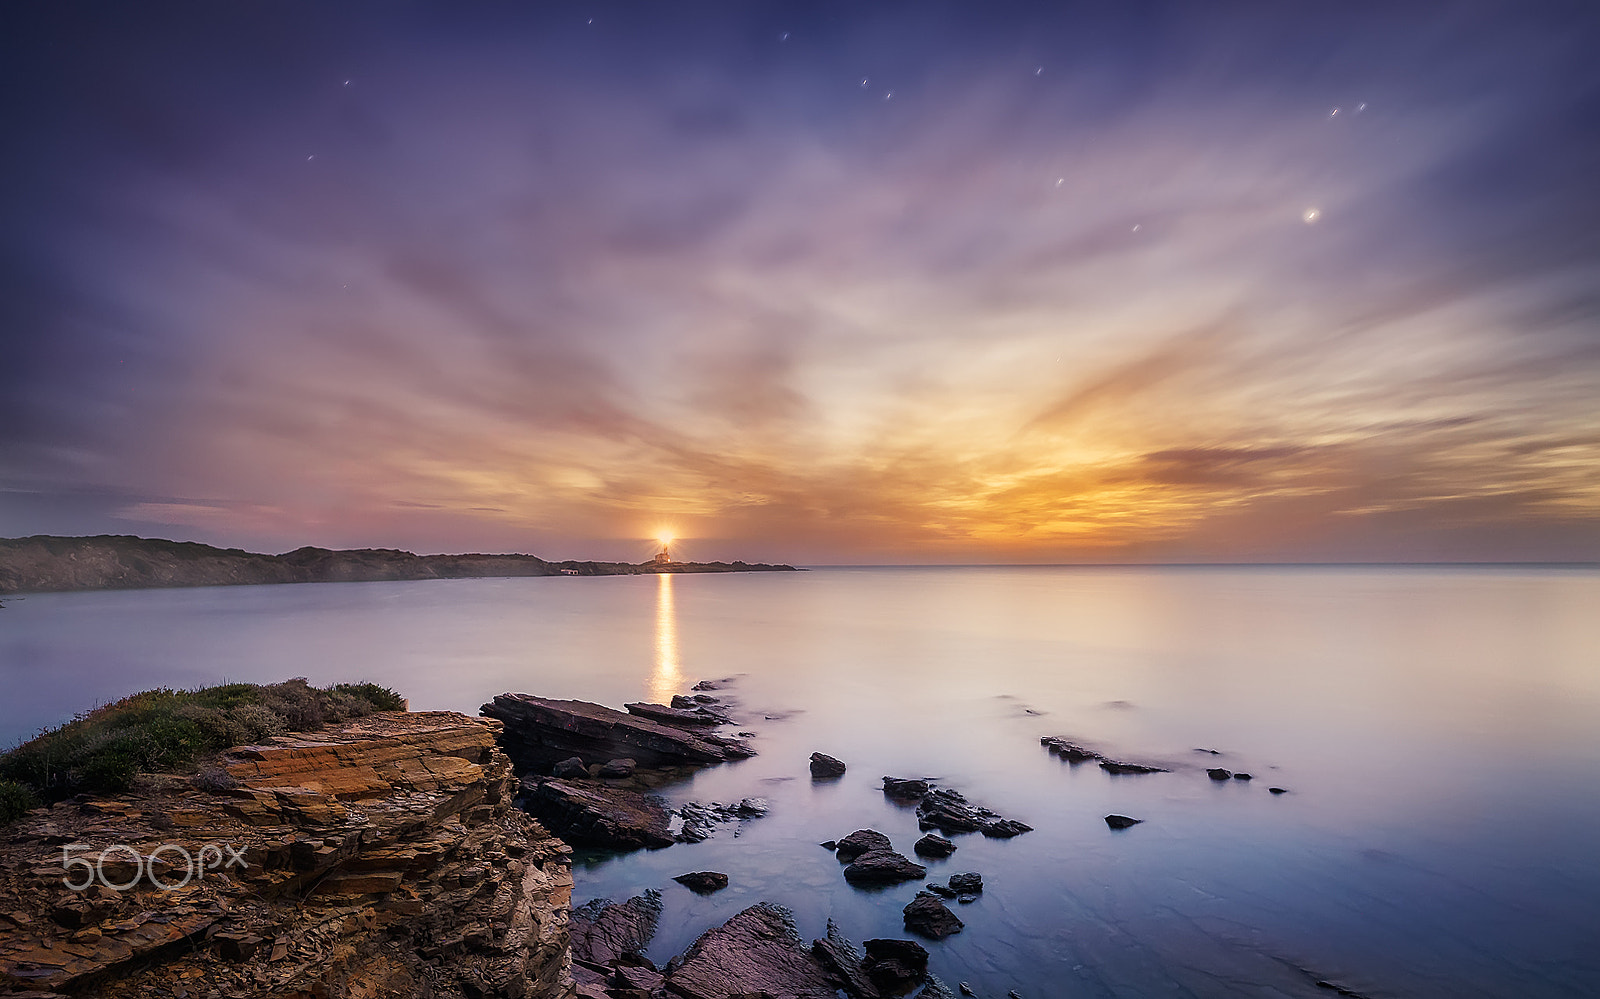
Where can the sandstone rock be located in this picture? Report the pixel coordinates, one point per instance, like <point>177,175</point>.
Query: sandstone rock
<point>1218,773</point>
<point>540,732</point>
<point>823,765</point>
<point>927,916</point>
<point>758,950</point>
<point>861,841</point>
<point>703,882</point>
<point>604,932</point>
<point>1121,821</point>
<point>589,813</point>
<point>382,856</point>
<point>877,867</point>
<point>933,845</point>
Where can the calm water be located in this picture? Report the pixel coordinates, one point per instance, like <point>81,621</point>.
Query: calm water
<point>1439,730</point>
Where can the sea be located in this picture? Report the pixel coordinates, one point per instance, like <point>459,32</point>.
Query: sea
<point>1437,731</point>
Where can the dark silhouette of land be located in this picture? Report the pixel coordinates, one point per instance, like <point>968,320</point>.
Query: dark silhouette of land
<point>44,563</point>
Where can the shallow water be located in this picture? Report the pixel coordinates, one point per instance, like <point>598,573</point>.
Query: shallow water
<point>1437,729</point>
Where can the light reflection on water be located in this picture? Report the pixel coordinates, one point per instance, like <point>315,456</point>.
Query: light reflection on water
<point>1439,730</point>
<point>667,679</point>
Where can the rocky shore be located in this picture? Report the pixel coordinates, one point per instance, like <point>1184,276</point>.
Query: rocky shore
<point>45,563</point>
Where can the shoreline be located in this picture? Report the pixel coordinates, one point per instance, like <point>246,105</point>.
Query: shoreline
<point>51,564</point>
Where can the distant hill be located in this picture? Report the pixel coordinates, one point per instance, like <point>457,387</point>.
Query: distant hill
<point>44,563</point>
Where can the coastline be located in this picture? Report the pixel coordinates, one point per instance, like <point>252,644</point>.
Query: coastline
<point>50,564</point>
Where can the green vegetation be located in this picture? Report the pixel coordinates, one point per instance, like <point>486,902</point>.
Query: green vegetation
<point>102,750</point>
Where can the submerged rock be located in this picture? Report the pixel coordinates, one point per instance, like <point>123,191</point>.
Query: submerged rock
<point>757,951</point>
<point>927,916</point>
<point>1244,777</point>
<point>1119,767</point>
<point>1005,828</point>
<point>1121,821</point>
<point>1218,773</point>
<point>823,765</point>
<point>603,932</point>
<point>703,882</point>
<point>883,867</point>
<point>903,789</point>
<point>933,845</point>
<point>1068,751</point>
<point>1278,790</point>
<point>862,841</point>
<point>587,813</point>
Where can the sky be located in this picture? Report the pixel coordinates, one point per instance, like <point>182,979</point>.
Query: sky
<point>816,282</point>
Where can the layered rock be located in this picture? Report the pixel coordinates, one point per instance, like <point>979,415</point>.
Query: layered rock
<point>757,951</point>
<point>541,732</point>
<point>590,813</point>
<point>379,857</point>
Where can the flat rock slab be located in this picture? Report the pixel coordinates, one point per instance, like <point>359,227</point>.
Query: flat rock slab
<point>703,882</point>
<point>592,813</point>
<point>541,732</point>
<point>757,951</point>
<point>603,932</point>
<point>698,716</point>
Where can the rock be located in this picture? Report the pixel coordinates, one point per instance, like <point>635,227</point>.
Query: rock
<point>703,882</point>
<point>944,891</point>
<point>829,845</point>
<point>540,732</point>
<point>1243,777</point>
<point>700,819</point>
<point>1278,790</point>
<point>1013,994</point>
<point>1119,767</point>
<point>570,767</point>
<point>927,916</point>
<point>1217,773</point>
<point>842,962</point>
<point>1068,751</point>
<point>823,765</point>
<point>905,790</point>
<point>757,951</point>
<point>377,856</point>
<point>617,769</point>
<point>883,867</point>
<point>895,965</point>
<point>966,899</point>
<point>935,989</point>
<point>933,845</point>
<point>703,699</point>
<point>588,813</point>
<point>712,684</point>
<point>605,932</point>
<point>949,812</point>
<point>861,841</point>
<point>1121,821</point>
<point>967,884</point>
<point>697,716</point>
<point>684,702</point>
<point>1004,828</point>
<point>643,979</point>
<point>966,990</point>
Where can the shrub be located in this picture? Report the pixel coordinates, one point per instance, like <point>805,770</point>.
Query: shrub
<point>15,800</point>
<point>104,750</point>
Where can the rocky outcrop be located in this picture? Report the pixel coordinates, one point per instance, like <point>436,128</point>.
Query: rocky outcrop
<point>1219,773</point>
<point>379,857</point>
<point>696,717</point>
<point>44,563</point>
<point>861,841</point>
<point>838,955</point>
<point>541,732</point>
<point>591,813</point>
<point>933,845</point>
<point>701,818</point>
<point>895,965</point>
<point>703,882</point>
<point>1073,753</point>
<point>950,812</point>
<point>758,951</point>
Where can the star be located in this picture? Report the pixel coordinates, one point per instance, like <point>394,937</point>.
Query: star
<point>347,83</point>
<point>784,37</point>
<point>865,80</point>
<point>1136,228</point>
<point>889,95</point>
<point>1038,71</point>
<point>1334,113</point>
<point>1310,215</point>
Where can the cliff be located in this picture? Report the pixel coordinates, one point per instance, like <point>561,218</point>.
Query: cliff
<point>45,563</point>
<point>382,856</point>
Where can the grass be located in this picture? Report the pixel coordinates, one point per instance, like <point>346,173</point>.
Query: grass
<point>103,750</point>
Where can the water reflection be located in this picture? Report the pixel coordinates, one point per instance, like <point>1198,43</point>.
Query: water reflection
<point>667,677</point>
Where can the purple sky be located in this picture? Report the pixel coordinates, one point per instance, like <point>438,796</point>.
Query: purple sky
<point>811,282</point>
